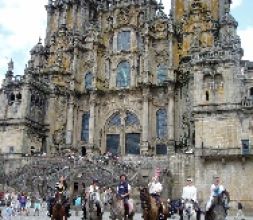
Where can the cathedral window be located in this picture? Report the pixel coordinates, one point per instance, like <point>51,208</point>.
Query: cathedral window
<point>207,96</point>
<point>19,96</point>
<point>161,149</point>
<point>251,91</point>
<point>37,100</point>
<point>161,123</point>
<point>245,146</point>
<point>12,97</point>
<point>32,150</point>
<point>113,143</point>
<point>115,120</point>
<point>123,75</point>
<point>85,127</point>
<point>11,149</point>
<point>133,143</point>
<point>123,41</point>
<point>88,81</point>
<point>32,99</point>
<point>131,119</point>
<point>161,73</point>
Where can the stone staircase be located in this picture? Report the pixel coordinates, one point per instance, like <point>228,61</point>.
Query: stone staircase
<point>41,173</point>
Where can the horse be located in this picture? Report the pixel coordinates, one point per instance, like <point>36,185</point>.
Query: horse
<point>94,206</point>
<point>218,209</point>
<point>189,212</point>
<point>58,211</point>
<point>151,209</point>
<point>117,208</point>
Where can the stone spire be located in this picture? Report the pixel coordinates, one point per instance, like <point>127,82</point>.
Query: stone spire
<point>9,73</point>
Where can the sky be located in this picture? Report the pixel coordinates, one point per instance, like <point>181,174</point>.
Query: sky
<point>23,22</point>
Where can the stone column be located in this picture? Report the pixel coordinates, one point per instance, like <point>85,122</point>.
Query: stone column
<point>26,102</point>
<point>50,12</point>
<point>92,119</point>
<point>122,147</point>
<point>75,15</point>
<point>145,121</point>
<point>70,120</point>
<point>170,117</point>
<point>146,61</point>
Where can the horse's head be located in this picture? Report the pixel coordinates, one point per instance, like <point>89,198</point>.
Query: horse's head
<point>189,207</point>
<point>93,197</point>
<point>108,198</point>
<point>144,194</point>
<point>224,197</point>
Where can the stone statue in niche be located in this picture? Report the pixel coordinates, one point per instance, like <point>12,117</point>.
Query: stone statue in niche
<point>58,136</point>
<point>195,38</point>
<point>204,40</point>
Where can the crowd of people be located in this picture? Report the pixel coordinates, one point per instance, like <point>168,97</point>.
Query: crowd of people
<point>21,203</point>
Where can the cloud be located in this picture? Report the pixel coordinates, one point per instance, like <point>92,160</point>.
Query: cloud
<point>236,3</point>
<point>21,25</point>
<point>167,6</point>
<point>247,43</point>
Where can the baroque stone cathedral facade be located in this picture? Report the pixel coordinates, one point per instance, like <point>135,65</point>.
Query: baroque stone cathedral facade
<point>121,76</point>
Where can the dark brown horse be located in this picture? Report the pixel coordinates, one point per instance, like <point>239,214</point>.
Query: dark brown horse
<point>151,209</point>
<point>218,209</point>
<point>58,211</point>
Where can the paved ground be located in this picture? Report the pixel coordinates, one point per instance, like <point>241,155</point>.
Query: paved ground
<point>105,217</point>
<point>137,216</point>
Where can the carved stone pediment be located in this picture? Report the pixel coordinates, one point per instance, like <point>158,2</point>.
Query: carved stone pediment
<point>123,17</point>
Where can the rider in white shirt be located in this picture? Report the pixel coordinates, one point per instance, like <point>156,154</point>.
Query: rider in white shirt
<point>189,191</point>
<point>94,190</point>
<point>190,194</point>
<point>155,188</point>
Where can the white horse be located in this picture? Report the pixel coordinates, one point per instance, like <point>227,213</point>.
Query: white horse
<point>95,206</point>
<point>189,212</point>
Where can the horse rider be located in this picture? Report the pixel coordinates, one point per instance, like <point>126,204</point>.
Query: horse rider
<point>189,191</point>
<point>155,188</point>
<point>216,189</point>
<point>123,191</point>
<point>61,188</point>
<point>190,194</point>
<point>94,190</point>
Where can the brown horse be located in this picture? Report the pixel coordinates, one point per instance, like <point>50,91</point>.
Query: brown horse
<point>151,209</point>
<point>117,209</point>
<point>218,209</point>
<point>58,211</point>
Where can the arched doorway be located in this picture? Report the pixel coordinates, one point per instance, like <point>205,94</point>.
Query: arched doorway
<point>123,133</point>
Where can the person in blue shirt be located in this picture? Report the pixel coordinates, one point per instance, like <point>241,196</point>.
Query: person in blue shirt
<point>8,212</point>
<point>123,190</point>
<point>216,189</point>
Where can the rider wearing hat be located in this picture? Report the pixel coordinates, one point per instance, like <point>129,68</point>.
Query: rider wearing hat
<point>123,190</point>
